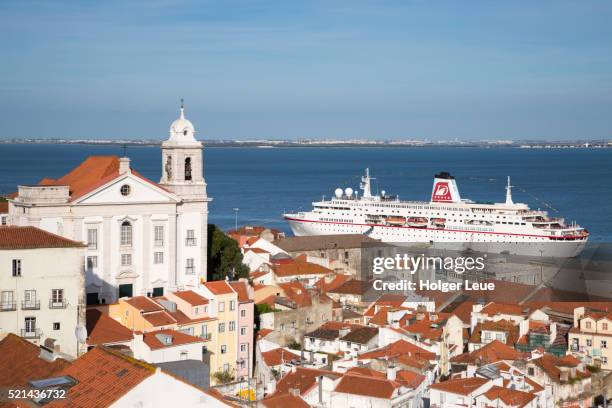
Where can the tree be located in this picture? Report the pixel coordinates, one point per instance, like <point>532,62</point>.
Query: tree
<point>294,345</point>
<point>224,256</point>
<point>224,377</point>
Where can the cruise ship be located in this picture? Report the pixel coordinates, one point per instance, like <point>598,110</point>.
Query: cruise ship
<point>447,221</point>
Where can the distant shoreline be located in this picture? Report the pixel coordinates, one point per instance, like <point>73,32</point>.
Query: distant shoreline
<point>265,144</point>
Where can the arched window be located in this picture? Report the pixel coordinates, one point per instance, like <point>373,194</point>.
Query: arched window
<point>188,168</point>
<point>126,233</point>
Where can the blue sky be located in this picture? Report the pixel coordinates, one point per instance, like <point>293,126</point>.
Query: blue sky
<point>307,69</point>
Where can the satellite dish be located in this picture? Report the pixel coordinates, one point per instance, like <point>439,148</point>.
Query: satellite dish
<point>348,192</point>
<point>338,193</point>
<point>80,333</point>
<point>383,193</point>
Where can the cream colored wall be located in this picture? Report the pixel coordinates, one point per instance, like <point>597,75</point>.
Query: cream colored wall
<point>228,338</point>
<point>44,270</point>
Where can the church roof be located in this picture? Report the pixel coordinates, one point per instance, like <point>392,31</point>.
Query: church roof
<point>91,174</point>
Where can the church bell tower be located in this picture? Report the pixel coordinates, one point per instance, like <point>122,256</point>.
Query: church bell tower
<point>182,163</point>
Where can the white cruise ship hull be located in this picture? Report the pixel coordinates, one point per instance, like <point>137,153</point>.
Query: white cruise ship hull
<point>504,243</point>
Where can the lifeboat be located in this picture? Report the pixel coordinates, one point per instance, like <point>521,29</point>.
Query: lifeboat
<point>394,220</point>
<point>419,222</point>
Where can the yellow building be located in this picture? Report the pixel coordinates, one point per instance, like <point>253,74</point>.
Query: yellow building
<point>223,304</point>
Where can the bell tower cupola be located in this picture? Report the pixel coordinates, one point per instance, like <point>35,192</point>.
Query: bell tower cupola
<point>182,162</point>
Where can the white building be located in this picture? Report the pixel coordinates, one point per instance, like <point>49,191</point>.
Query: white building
<point>142,237</point>
<point>41,288</point>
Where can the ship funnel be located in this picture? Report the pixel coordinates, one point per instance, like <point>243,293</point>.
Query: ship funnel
<point>445,189</point>
<point>509,193</point>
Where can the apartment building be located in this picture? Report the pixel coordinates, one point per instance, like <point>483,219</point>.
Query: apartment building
<point>42,288</point>
<point>591,337</point>
<point>223,305</point>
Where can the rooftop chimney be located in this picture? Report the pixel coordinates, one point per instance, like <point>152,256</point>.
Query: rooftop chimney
<point>124,165</point>
<point>391,372</point>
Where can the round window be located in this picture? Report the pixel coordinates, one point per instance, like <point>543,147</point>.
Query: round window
<point>125,190</point>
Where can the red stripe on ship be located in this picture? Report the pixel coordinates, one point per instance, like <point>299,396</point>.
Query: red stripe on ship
<point>570,237</point>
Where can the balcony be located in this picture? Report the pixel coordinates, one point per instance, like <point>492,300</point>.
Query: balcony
<point>206,336</point>
<point>57,304</point>
<point>8,306</point>
<point>30,305</point>
<point>31,333</point>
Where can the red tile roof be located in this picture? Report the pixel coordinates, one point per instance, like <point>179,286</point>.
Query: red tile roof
<point>490,353</point>
<point>13,237</point>
<point>20,362</point>
<point>144,304</point>
<point>299,268</point>
<point>241,288</point>
<point>509,397</point>
<point>303,379</point>
<point>103,329</point>
<point>397,349</point>
<point>495,308</point>
<point>161,318</point>
<point>279,356</point>
<point>297,293</point>
<point>325,284</point>
<point>220,287</point>
<point>284,401</point>
<point>151,339</point>
<point>3,207</point>
<point>367,386</point>
<point>191,297</point>
<point>91,174</point>
<point>368,372</point>
<point>103,377</point>
<point>352,287</point>
<point>461,386</point>
<point>550,364</point>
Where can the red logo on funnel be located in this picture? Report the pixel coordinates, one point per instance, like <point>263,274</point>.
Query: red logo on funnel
<point>441,192</point>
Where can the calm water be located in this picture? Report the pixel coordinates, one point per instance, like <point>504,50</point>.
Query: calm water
<point>265,182</point>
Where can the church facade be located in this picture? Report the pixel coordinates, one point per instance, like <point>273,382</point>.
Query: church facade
<point>142,237</point>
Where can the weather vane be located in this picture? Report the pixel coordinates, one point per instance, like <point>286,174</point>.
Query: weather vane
<point>125,148</point>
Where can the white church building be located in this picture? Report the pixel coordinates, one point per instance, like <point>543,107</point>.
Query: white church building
<point>142,237</point>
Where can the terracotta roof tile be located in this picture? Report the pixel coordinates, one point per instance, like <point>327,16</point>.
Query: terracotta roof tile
<point>367,386</point>
<point>191,297</point>
<point>284,401</point>
<point>297,293</point>
<point>352,287</point>
<point>3,207</point>
<point>397,349</point>
<point>241,288</point>
<point>220,287</point>
<point>144,304</point>
<point>509,327</point>
<point>103,377</point>
<point>325,284</point>
<point>461,386</point>
<point>152,339</point>
<point>509,397</point>
<point>279,356</point>
<point>21,363</point>
<point>495,308</point>
<point>103,329</point>
<point>161,318</point>
<point>13,237</point>
<point>299,268</point>
<point>489,353</point>
<point>302,379</point>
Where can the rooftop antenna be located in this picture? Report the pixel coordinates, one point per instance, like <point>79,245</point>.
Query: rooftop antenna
<point>125,148</point>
